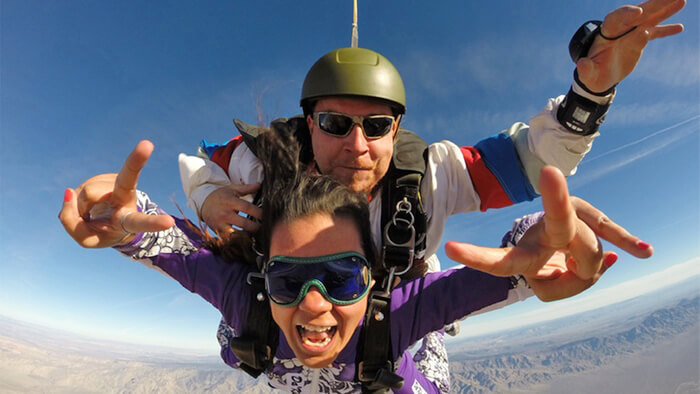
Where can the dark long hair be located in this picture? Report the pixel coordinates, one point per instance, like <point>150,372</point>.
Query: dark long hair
<point>291,192</point>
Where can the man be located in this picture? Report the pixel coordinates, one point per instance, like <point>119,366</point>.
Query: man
<point>362,163</point>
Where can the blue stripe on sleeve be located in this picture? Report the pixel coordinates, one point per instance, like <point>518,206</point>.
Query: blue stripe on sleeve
<point>501,158</point>
<point>210,147</point>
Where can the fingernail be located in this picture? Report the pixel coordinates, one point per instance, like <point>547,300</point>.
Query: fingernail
<point>643,245</point>
<point>68,195</point>
<point>610,260</point>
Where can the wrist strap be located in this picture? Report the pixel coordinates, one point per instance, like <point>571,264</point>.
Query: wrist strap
<point>580,115</point>
<point>584,87</point>
<point>617,37</point>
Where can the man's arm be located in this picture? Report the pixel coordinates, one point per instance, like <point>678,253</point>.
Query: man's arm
<point>564,131</point>
<point>219,184</point>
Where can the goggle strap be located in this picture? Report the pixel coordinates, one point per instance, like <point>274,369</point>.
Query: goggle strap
<point>316,259</point>
<point>254,275</point>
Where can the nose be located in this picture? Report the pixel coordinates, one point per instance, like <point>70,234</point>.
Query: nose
<point>356,140</point>
<point>314,302</point>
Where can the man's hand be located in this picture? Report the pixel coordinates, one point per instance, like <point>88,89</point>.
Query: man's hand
<point>220,211</point>
<point>561,255</point>
<point>102,211</point>
<point>610,61</point>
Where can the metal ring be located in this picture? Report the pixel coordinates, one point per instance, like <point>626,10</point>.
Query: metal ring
<point>407,222</point>
<point>403,205</point>
<point>254,246</point>
<point>121,224</point>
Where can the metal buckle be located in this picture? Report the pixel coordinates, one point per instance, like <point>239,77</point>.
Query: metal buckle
<point>257,275</point>
<point>409,258</point>
<point>405,224</point>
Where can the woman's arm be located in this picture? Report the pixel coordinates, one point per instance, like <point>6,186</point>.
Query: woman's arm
<point>107,210</point>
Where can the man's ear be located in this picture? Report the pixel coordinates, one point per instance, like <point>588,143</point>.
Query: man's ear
<point>395,129</point>
<point>310,123</point>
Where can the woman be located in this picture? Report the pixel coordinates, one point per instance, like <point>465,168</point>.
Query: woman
<point>315,255</point>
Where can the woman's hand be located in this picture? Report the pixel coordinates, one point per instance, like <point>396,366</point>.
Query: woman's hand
<point>102,211</point>
<point>561,255</point>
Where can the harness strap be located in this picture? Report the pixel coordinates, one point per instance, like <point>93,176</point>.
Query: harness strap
<point>295,125</point>
<point>375,368</point>
<point>258,342</point>
<point>404,232</point>
<point>403,217</point>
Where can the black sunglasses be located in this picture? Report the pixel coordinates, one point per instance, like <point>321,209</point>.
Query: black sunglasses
<point>339,125</point>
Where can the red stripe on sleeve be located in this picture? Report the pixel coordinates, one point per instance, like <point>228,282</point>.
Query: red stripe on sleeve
<point>487,186</point>
<point>222,156</point>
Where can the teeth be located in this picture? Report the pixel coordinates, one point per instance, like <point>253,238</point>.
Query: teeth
<point>316,336</point>
<point>316,328</point>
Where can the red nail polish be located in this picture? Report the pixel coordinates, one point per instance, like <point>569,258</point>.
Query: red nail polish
<point>610,260</point>
<point>68,195</point>
<point>643,245</point>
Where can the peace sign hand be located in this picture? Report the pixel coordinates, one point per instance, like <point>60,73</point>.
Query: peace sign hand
<point>561,255</point>
<point>102,211</point>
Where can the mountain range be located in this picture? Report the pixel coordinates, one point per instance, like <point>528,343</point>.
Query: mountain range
<point>649,344</point>
<point>615,349</point>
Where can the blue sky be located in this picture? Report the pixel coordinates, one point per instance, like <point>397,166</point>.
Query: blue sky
<point>81,82</point>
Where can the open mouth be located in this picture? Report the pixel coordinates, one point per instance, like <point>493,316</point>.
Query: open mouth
<point>316,337</point>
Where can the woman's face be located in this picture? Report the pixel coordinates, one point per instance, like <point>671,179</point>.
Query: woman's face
<point>316,329</point>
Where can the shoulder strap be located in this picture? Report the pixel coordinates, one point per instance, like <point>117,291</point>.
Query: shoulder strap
<point>250,134</point>
<point>256,345</point>
<point>409,152</point>
<point>404,225</point>
<point>404,221</point>
<point>295,125</point>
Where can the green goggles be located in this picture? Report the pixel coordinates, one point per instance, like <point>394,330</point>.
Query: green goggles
<point>340,125</point>
<point>342,278</point>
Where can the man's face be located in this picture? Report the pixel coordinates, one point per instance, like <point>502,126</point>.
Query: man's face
<point>354,160</point>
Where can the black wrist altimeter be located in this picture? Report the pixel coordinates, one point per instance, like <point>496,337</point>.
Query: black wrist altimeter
<point>580,115</point>
<point>577,113</point>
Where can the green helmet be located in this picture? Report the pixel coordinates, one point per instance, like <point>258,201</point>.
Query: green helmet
<point>354,72</point>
